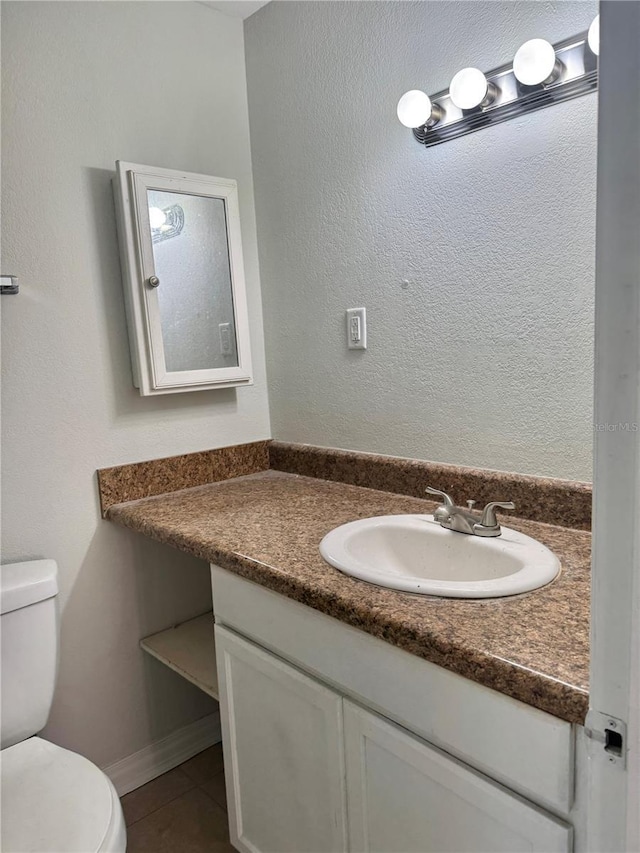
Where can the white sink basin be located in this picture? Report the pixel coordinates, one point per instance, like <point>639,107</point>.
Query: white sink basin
<point>413,553</point>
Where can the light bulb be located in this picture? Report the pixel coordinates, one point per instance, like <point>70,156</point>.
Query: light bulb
<point>535,63</point>
<point>157,217</point>
<point>593,36</point>
<point>469,88</point>
<point>414,108</point>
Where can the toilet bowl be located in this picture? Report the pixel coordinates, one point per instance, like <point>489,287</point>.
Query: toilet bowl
<point>53,800</point>
<point>56,800</point>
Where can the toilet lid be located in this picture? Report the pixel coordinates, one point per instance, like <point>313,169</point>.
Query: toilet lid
<point>53,800</point>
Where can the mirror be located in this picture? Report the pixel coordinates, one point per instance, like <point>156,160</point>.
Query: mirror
<point>184,280</point>
<point>191,260</point>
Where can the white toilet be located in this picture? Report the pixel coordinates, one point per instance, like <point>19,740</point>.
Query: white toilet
<point>53,800</point>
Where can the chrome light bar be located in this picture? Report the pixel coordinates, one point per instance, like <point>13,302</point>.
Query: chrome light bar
<point>575,73</point>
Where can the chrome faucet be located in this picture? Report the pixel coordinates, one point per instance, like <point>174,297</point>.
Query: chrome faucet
<point>465,520</point>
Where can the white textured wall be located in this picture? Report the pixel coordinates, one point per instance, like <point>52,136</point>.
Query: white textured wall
<point>486,357</point>
<point>86,83</point>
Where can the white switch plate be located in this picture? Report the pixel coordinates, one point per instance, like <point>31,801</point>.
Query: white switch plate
<point>357,328</point>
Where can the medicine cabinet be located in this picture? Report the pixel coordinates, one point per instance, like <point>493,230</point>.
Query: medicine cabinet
<point>183,276</point>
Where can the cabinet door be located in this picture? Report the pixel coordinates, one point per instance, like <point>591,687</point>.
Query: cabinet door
<point>405,795</point>
<point>283,751</point>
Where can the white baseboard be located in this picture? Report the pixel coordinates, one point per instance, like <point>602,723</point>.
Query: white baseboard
<point>135,770</point>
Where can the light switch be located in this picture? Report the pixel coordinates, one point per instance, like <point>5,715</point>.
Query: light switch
<point>357,328</point>
<point>225,338</point>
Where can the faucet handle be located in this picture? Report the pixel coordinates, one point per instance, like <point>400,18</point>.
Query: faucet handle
<point>489,513</point>
<point>443,512</point>
<point>446,500</point>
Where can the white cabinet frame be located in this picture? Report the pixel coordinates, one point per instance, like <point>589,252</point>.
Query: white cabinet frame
<point>150,372</point>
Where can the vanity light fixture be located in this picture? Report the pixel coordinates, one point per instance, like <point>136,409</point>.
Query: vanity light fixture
<point>540,75</point>
<point>416,109</point>
<point>157,217</point>
<point>593,36</point>
<point>166,222</point>
<point>535,63</point>
<point>470,89</point>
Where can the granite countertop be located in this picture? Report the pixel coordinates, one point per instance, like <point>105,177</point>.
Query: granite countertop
<point>266,527</point>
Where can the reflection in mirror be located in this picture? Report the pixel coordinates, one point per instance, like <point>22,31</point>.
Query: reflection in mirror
<point>191,260</point>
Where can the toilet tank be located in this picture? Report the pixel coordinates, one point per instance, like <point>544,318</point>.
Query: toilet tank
<point>29,650</point>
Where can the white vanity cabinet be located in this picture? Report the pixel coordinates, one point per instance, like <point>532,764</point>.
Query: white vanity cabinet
<point>283,751</point>
<point>405,795</point>
<point>316,760</point>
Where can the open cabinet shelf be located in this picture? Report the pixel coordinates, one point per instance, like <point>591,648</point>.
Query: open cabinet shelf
<point>188,649</point>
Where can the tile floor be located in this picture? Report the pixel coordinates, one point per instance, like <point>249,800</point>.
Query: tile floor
<point>183,811</point>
